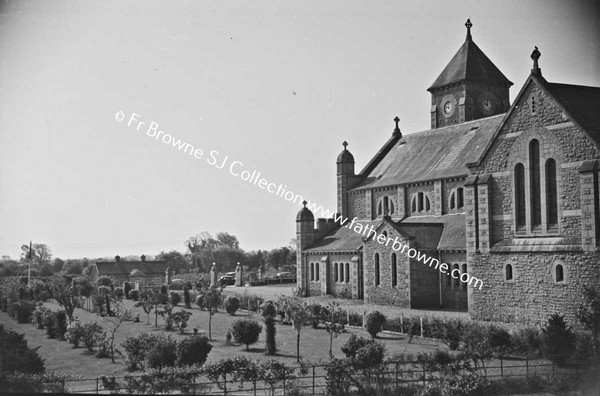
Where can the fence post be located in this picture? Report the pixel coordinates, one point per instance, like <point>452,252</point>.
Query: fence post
<point>254,386</point>
<point>527,366</point>
<point>421,320</point>
<point>401,324</point>
<point>501,368</point>
<point>313,389</point>
<point>225,384</point>
<point>396,373</point>
<point>284,381</point>
<point>97,383</point>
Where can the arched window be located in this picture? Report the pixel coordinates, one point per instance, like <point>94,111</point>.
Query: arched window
<point>394,271</point>
<point>464,271</point>
<point>559,273</point>
<point>520,195</point>
<point>317,275</point>
<point>453,200</point>
<point>420,201</point>
<point>377,269</point>
<point>460,198</point>
<point>312,271</point>
<point>427,204</point>
<point>414,204</point>
<point>551,194</point>
<point>534,181</point>
<point>386,205</point>
<point>449,279</point>
<point>392,207</point>
<point>335,272</point>
<point>379,208</point>
<point>508,272</point>
<point>347,272</point>
<point>341,272</point>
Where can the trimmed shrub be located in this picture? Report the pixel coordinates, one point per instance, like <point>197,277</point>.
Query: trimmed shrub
<point>364,352</point>
<point>73,334</point>
<point>269,312</point>
<point>23,311</point>
<point>232,304</point>
<point>374,323</point>
<point>193,350</point>
<point>60,324</point>
<point>119,293</point>
<point>316,310</point>
<point>246,331</point>
<point>528,341</point>
<point>163,353</point>
<point>174,299</point>
<point>126,289</point>
<point>559,339</point>
<point>48,321</point>
<point>163,289</point>
<point>180,319</point>
<point>38,316</point>
<point>187,300</point>
<point>134,294</point>
<point>356,319</point>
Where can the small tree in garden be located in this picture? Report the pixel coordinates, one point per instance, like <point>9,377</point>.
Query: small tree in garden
<point>334,323</point>
<point>589,315</point>
<point>269,312</point>
<point>134,294</point>
<point>146,303</point>
<point>166,311</point>
<point>114,322</point>
<point>193,350</point>
<point>65,295</point>
<point>163,354</point>
<point>232,304</point>
<point>60,324</point>
<point>299,313</point>
<point>126,289</point>
<point>83,287</point>
<point>187,301</point>
<point>105,281</point>
<point>180,319</point>
<point>118,293</point>
<point>559,339</point>
<point>209,299</point>
<point>137,350</point>
<point>246,331</point>
<point>374,322</point>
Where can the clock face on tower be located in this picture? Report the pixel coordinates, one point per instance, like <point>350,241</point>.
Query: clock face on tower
<point>448,105</point>
<point>487,104</point>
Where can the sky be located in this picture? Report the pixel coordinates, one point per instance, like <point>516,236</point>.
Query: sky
<point>275,85</point>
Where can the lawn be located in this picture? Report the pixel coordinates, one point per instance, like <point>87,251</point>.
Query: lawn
<point>314,343</point>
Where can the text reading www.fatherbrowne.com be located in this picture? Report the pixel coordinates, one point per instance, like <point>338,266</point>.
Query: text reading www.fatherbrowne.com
<point>236,168</point>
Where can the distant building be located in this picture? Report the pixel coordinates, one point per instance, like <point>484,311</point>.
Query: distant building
<point>507,193</point>
<point>138,273</point>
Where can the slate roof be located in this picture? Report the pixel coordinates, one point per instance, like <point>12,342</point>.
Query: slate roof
<point>125,268</point>
<point>343,238</point>
<point>432,154</point>
<point>451,234</point>
<point>582,103</point>
<point>470,64</point>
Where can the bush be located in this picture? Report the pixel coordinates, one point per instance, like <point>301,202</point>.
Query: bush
<point>38,316</point>
<point>60,324</point>
<point>73,334</point>
<point>163,353</point>
<point>269,312</point>
<point>374,323</point>
<point>48,321</point>
<point>174,299</point>
<point>356,319</point>
<point>317,310</point>
<point>180,319</point>
<point>498,339</point>
<point>15,355</point>
<point>187,300</point>
<point>528,341</point>
<point>119,293</point>
<point>126,289</point>
<point>232,304</point>
<point>163,289</point>
<point>137,350</point>
<point>92,334</point>
<point>193,350</point>
<point>370,355</point>
<point>134,294</point>
<point>246,331</point>
<point>464,384</point>
<point>559,339</point>
<point>23,310</point>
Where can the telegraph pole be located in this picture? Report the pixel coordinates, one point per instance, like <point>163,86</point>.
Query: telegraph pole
<point>29,270</point>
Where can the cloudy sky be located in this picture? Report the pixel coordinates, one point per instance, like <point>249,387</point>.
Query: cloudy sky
<point>275,85</point>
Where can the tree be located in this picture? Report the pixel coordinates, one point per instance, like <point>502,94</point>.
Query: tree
<point>57,265</point>
<point>374,322</point>
<point>246,331</point>
<point>227,239</point>
<point>232,304</point>
<point>114,322</point>
<point>65,295</point>
<point>83,287</point>
<point>299,313</point>
<point>589,315</point>
<point>146,303</point>
<point>334,323</point>
<point>72,267</point>
<point>40,253</point>
<point>15,355</point>
<point>559,339</point>
<point>175,260</point>
<point>209,298</point>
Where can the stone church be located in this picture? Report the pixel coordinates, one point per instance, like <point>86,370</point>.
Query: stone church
<point>507,193</point>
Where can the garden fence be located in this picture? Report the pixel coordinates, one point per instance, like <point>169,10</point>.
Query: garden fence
<point>392,375</point>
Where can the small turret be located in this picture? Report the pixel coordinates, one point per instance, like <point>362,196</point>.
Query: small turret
<point>345,177</point>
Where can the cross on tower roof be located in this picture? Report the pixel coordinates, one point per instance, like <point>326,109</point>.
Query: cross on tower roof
<point>345,144</point>
<point>469,25</point>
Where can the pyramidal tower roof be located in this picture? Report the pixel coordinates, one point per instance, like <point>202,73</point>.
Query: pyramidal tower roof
<point>470,64</point>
